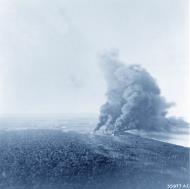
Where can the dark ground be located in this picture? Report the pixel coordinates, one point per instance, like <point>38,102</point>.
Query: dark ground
<point>51,159</point>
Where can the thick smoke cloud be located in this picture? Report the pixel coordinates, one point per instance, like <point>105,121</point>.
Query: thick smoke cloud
<point>133,99</point>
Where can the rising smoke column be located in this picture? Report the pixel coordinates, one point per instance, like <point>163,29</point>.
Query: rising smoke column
<point>133,99</point>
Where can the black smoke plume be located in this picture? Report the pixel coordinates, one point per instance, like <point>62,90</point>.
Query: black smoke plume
<point>133,99</point>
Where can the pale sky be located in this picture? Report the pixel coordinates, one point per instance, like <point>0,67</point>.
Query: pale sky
<point>48,51</point>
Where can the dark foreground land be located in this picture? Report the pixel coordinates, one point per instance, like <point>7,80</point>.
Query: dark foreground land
<point>49,159</point>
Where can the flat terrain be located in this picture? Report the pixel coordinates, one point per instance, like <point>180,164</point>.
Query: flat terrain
<point>52,159</point>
